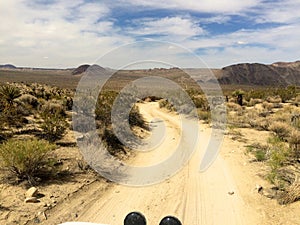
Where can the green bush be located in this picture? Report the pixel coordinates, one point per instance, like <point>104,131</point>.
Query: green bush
<point>27,159</point>
<point>52,108</point>
<point>53,126</point>
<point>238,92</point>
<point>260,155</point>
<point>204,115</point>
<point>279,155</point>
<point>259,151</point>
<point>12,116</point>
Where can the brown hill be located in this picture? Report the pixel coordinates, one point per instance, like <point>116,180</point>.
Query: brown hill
<point>276,74</point>
<point>80,69</point>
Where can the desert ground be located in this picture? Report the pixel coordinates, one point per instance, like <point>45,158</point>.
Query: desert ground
<point>234,190</point>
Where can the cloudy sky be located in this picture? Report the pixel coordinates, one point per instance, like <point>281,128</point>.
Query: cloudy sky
<point>67,33</point>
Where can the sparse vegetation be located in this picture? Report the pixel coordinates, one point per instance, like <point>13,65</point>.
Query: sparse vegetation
<point>282,130</point>
<point>279,154</point>
<point>164,103</point>
<point>53,126</point>
<point>261,152</point>
<point>267,109</point>
<point>27,159</point>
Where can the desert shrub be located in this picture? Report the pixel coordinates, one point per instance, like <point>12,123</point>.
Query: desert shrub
<point>13,116</point>
<point>255,94</point>
<point>261,152</point>
<point>28,99</point>
<point>268,106</point>
<point>53,126</point>
<point>104,107</point>
<point>194,92</point>
<point>279,154</point>
<point>254,101</point>
<point>294,142</point>
<point>233,107</point>
<point>27,159</point>
<point>281,116</point>
<point>52,108</point>
<point>287,93</point>
<point>200,102</point>
<point>281,129</point>
<point>260,155</point>
<point>275,99</point>
<point>295,120</point>
<point>204,115</point>
<point>291,194</point>
<point>297,100</point>
<point>136,119</point>
<point>111,141</point>
<point>235,93</point>
<point>260,123</point>
<point>9,93</point>
<point>164,103</point>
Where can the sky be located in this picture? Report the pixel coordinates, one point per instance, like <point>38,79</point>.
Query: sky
<point>68,33</point>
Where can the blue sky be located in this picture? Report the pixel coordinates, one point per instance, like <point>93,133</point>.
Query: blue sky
<point>67,33</point>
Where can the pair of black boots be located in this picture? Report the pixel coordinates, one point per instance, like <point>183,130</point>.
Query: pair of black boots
<point>136,218</point>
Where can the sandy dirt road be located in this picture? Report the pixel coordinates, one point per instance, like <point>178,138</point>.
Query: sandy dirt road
<point>194,197</point>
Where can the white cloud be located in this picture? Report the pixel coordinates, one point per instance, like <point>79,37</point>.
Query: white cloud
<point>72,32</point>
<point>279,12</point>
<point>215,6</point>
<point>175,28</point>
<point>220,19</point>
<point>68,32</point>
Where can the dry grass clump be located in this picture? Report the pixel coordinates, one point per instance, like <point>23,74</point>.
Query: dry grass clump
<point>267,106</point>
<point>28,100</point>
<point>294,142</point>
<point>282,130</point>
<point>51,107</point>
<point>275,99</point>
<point>231,106</point>
<point>292,194</point>
<point>204,115</point>
<point>259,123</point>
<point>254,101</point>
<point>297,100</point>
<point>280,116</point>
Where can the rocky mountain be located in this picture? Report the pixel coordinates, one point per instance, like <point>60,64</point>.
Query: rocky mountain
<point>8,66</point>
<point>276,74</point>
<point>80,69</point>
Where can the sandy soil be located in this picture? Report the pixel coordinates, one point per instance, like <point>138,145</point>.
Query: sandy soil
<point>224,194</point>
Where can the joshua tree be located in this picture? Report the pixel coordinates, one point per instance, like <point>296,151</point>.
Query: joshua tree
<point>9,93</point>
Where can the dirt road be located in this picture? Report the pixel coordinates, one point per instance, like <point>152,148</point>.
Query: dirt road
<point>195,198</point>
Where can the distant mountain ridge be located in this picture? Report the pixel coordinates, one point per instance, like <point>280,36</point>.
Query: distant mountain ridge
<point>8,66</point>
<point>276,74</point>
<point>80,69</point>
